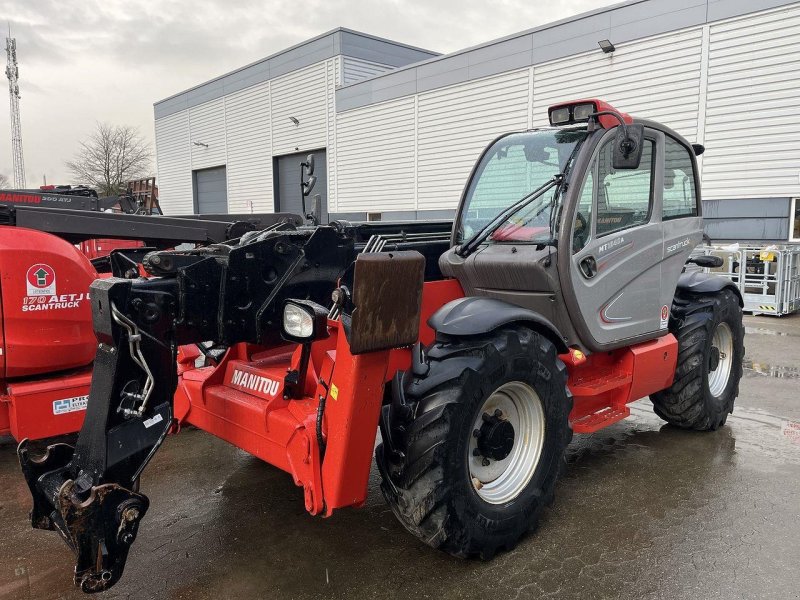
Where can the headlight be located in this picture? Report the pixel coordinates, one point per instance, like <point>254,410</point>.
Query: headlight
<point>559,116</point>
<point>304,321</point>
<point>581,112</point>
<point>297,322</point>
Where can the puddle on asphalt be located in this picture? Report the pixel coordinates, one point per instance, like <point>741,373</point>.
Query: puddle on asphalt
<point>754,437</point>
<point>765,331</point>
<point>754,368</point>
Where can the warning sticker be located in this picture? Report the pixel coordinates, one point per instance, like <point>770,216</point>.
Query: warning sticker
<point>664,317</point>
<point>334,391</point>
<point>41,280</point>
<point>154,420</point>
<point>68,405</point>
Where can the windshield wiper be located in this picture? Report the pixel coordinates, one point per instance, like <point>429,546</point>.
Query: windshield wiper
<point>476,240</point>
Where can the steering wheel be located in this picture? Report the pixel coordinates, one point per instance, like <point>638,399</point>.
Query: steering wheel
<point>580,232</point>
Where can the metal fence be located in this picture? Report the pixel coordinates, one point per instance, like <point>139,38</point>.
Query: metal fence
<point>767,276</point>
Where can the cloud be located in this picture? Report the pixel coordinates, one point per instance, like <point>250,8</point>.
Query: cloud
<point>109,60</point>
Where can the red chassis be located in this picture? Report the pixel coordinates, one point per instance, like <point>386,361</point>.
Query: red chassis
<point>241,400</point>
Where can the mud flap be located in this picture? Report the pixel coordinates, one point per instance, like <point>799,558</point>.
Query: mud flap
<point>388,297</point>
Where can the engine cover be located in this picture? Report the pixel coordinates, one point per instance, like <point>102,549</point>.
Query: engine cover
<point>46,314</point>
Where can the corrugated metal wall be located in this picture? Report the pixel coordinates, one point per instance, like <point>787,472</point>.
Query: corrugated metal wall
<point>333,73</point>
<point>247,115</point>
<point>303,95</point>
<point>453,126</point>
<point>752,130</point>
<point>174,163</point>
<point>657,78</point>
<point>356,69</point>
<point>375,161</point>
<point>244,131</point>
<point>207,127</point>
<point>731,85</point>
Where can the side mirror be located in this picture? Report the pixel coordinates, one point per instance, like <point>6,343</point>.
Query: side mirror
<point>628,147</point>
<point>309,165</point>
<point>309,185</point>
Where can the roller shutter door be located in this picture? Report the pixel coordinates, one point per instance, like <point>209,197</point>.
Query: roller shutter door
<point>210,191</point>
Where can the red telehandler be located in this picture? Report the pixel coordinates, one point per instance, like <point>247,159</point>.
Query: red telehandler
<point>559,298</point>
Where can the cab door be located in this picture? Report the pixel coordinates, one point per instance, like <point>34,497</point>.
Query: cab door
<point>617,248</point>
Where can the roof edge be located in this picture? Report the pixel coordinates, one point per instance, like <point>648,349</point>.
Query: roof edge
<point>306,42</point>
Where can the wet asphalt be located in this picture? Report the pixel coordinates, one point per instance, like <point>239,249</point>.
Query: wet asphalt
<point>644,511</point>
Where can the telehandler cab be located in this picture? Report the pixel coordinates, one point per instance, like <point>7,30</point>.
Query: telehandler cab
<point>559,298</point>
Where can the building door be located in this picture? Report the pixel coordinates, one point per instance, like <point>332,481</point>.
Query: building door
<point>288,197</point>
<point>210,191</point>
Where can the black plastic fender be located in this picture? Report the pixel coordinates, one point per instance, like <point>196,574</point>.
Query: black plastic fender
<point>478,315</point>
<point>698,282</point>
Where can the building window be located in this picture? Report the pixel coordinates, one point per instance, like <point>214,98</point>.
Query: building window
<point>794,226</point>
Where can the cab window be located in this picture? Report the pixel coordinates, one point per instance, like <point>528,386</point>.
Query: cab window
<point>582,229</point>
<point>625,197</point>
<point>680,197</point>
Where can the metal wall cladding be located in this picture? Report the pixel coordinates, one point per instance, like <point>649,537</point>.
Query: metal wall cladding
<point>455,124</point>
<point>207,131</point>
<point>355,69</point>
<point>404,141</point>
<point>656,78</point>
<point>375,162</point>
<point>174,163</point>
<point>249,143</point>
<point>243,131</point>
<point>302,95</point>
<point>752,117</point>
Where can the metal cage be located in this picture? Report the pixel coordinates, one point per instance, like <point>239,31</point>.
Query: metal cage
<point>767,276</point>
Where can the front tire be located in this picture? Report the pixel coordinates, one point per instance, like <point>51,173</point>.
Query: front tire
<point>474,442</point>
<point>710,337</point>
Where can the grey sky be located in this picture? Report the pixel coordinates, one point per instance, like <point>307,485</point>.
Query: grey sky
<point>109,60</point>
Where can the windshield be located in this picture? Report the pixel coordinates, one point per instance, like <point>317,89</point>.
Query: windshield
<point>513,167</point>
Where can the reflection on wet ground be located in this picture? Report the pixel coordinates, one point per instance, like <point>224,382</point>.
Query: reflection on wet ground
<point>644,510</point>
<point>781,372</point>
<point>767,331</point>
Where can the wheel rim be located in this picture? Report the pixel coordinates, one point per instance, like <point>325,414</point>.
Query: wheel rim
<point>722,355</point>
<point>499,468</point>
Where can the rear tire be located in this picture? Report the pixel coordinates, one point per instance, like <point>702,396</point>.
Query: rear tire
<point>710,337</point>
<point>431,463</point>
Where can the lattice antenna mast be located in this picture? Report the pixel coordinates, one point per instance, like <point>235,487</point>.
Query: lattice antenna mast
<point>12,72</point>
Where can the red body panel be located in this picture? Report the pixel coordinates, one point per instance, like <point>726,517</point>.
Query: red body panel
<point>47,319</point>
<point>606,121</point>
<point>604,383</point>
<point>102,247</point>
<point>46,339</point>
<point>241,401</point>
<point>45,407</point>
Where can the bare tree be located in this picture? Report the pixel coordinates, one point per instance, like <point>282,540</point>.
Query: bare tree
<point>4,182</point>
<point>111,156</point>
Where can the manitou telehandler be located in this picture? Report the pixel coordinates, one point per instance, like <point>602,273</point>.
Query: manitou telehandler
<point>559,299</point>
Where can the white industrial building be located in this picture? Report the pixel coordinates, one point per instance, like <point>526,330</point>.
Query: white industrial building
<point>396,129</point>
